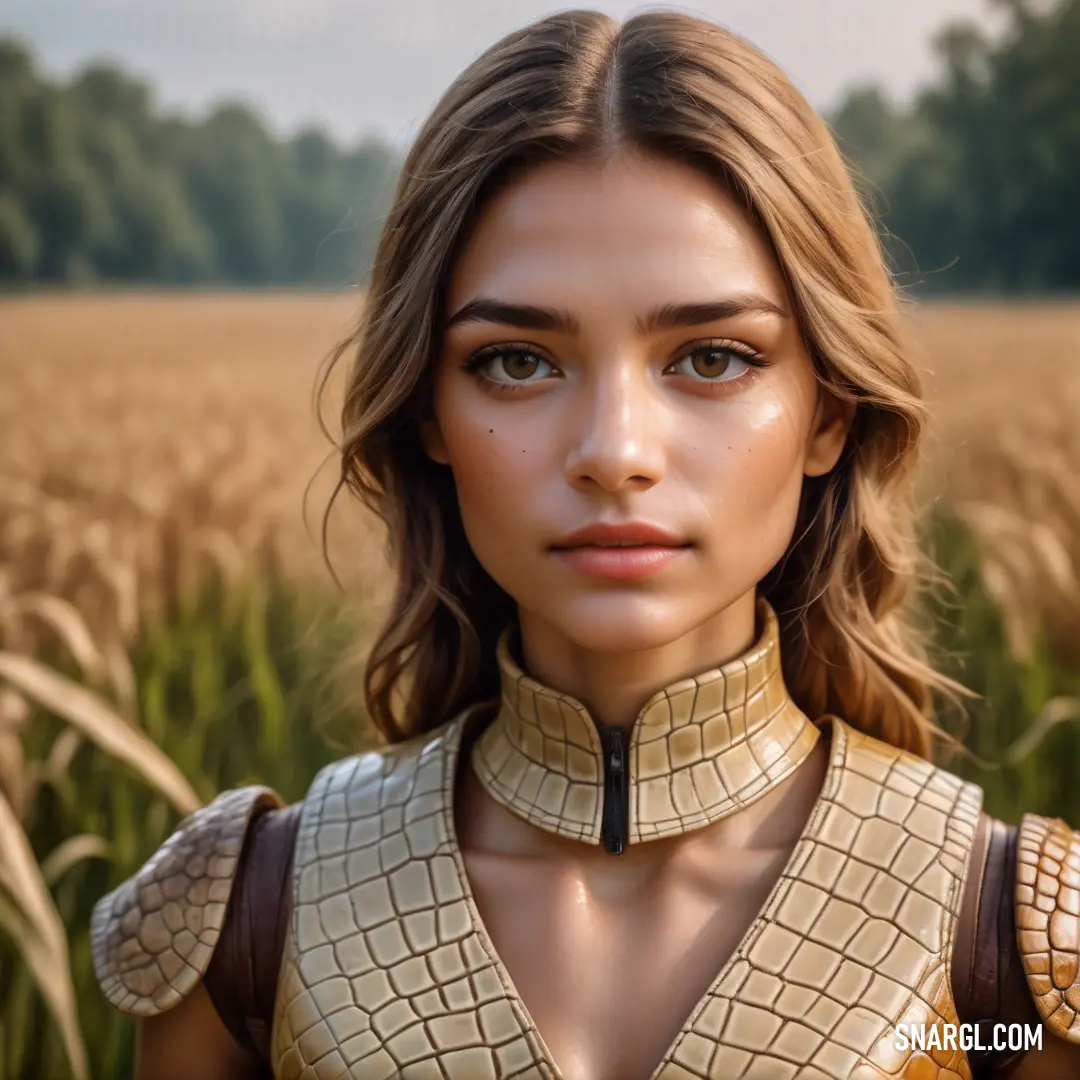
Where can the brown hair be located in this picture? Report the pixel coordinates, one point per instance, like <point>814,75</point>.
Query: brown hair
<point>577,84</point>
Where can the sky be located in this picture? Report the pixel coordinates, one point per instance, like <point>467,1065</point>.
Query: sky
<point>359,67</point>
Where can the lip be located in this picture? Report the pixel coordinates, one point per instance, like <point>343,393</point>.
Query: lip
<point>627,563</point>
<point>628,532</point>
<point>653,548</point>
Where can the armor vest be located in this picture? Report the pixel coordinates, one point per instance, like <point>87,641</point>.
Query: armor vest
<point>389,972</point>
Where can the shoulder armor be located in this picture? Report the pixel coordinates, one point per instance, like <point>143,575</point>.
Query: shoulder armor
<point>153,937</point>
<point>1048,919</point>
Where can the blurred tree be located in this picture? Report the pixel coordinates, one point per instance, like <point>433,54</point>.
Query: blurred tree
<point>972,183</point>
<point>95,183</point>
<point>235,176</point>
<point>19,245</point>
<point>978,176</point>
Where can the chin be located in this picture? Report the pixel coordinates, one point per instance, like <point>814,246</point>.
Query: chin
<point>625,624</point>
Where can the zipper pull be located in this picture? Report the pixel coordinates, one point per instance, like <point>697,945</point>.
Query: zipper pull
<point>615,811</point>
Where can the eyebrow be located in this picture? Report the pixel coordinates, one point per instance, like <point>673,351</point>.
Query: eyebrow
<point>485,309</point>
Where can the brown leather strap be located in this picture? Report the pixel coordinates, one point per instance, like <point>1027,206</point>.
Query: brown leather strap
<point>963,961</point>
<point>242,977</point>
<point>995,990</point>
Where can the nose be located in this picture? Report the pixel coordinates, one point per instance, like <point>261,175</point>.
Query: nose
<point>617,441</point>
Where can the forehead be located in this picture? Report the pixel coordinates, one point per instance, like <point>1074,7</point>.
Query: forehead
<point>635,225</point>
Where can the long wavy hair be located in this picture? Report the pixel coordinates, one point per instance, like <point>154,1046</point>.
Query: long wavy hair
<point>579,85</point>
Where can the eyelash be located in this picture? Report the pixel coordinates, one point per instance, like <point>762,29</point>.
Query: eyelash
<point>479,359</point>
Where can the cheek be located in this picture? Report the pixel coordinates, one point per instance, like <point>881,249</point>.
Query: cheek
<point>499,468</point>
<point>753,478</point>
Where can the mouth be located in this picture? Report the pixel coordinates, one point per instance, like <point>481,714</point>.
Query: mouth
<point>621,544</point>
<point>619,558</point>
<point>630,534</point>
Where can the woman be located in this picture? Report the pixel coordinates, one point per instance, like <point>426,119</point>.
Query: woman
<point>631,398</point>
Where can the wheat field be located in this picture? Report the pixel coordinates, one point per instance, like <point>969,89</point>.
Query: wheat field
<point>151,442</point>
<point>1003,383</point>
<point>127,401</point>
<point>120,410</point>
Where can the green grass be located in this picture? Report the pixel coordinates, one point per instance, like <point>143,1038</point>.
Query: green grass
<point>972,646</point>
<point>236,689</point>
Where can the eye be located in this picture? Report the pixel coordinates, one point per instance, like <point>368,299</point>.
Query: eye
<point>717,363</point>
<point>508,365</point>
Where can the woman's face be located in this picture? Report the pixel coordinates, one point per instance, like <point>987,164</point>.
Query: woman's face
<point>620,347</point>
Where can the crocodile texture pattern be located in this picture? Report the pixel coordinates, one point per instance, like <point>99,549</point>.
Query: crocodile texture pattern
<point>389,972</point>
<point>856,938</point>
<point>1048,919</point>
<point>700,749</point>
<point>153,937</point>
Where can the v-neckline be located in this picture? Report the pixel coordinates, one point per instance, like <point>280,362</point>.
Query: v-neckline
<point>799,853</point>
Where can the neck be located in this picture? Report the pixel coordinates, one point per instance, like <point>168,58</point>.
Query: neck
<point>699,749</point>
<point>614,685</point>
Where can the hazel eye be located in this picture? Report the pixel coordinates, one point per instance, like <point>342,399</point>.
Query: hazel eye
<point>517,366</point>
<point>714,364</point>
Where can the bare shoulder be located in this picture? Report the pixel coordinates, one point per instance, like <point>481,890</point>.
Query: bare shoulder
<point>1055,1060</point>
<point>191,1040</point>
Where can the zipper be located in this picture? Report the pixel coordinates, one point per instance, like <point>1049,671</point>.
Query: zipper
<point>615,812</point>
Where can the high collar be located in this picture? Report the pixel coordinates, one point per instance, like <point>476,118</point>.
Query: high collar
<point>699,750</point>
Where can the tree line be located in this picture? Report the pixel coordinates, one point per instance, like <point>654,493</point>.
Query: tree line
<point>98,185</point>
<point>974,182</point>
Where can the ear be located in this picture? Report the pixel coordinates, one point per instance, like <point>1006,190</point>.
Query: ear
<point>431,437</point>
<point>832,422</point>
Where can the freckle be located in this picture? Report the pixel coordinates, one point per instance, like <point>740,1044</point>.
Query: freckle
<point>729,447</point>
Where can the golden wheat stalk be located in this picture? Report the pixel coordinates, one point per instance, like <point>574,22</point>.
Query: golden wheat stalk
<point>87,712</point>
<point>30,920</point>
